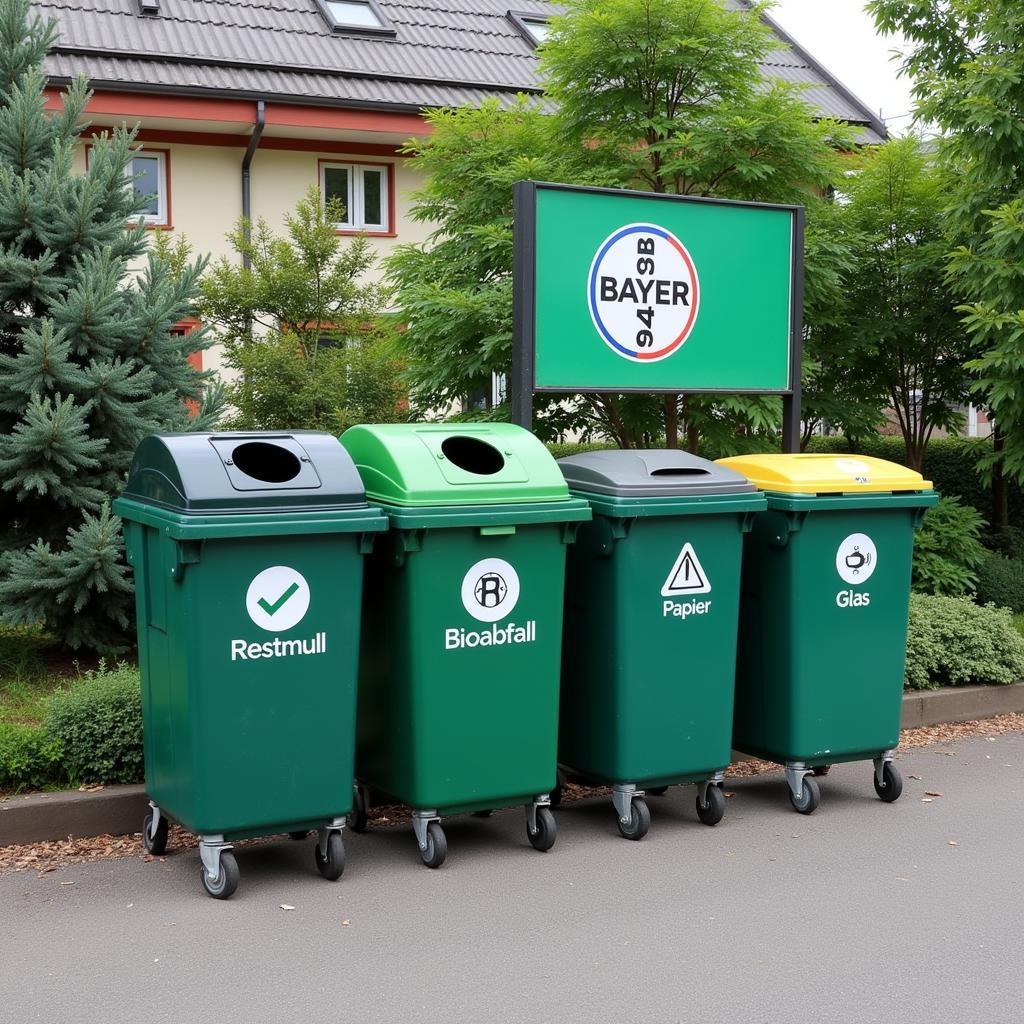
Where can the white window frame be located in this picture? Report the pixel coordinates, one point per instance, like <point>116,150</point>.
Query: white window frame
<point>354,205</point>
<point>382,28</point>
<point>158,219</point>
<point>524,22</point>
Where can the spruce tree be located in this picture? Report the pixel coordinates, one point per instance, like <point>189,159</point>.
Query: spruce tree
<point>88,363</point>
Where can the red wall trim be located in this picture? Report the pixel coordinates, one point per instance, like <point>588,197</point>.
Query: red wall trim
<point>391,232</point>
<point>222,139</point>
<point>334,117</point>
<point>198,108</point>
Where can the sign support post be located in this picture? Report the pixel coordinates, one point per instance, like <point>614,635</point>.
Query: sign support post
<point>524,307</point>
<point>631,292</point>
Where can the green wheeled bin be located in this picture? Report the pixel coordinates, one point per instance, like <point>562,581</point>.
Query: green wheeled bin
<point>651,608</point>
<point>823,620</point>
<point>462,624</point>
<point>248,553</point>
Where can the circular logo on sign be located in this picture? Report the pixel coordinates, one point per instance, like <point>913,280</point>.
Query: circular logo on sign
<point>643,292</point>
<point>277,598</point>
<point>490,589</point>
<point>856,558</point>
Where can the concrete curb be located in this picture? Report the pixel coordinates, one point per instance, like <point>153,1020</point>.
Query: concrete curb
<point>40,817</point>
<point>119,810</point>
<point>960,704</point>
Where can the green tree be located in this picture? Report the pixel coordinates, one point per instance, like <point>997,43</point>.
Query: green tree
<point>905,339</point>
<point>967,61</point>
<point>662,95</point>
<point>88,362</point>
<point>835,394</point>
<point>302,330</point>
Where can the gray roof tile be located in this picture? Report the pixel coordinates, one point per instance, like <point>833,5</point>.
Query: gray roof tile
<point>444,52</point>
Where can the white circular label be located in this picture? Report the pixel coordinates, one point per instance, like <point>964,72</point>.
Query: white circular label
<point>490,589</point>
<point>277,598</point>
<point>643,292</point>
<point>856,558</point>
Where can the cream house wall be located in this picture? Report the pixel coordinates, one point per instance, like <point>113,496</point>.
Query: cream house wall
<point>206,196</point>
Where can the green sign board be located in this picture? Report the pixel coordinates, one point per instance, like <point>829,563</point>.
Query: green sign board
<point>625,291</point>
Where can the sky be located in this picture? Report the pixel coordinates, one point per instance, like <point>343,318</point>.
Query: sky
<point>842,36</point>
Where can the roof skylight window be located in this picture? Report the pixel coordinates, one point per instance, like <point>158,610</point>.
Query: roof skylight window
<point>355,16</point>
<point>534,28</point>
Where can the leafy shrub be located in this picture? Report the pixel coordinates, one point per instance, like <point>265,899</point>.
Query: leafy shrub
<point>1001,582</point>
<point>562,451</point>
<point>948,549</point>
<point>98,723</point>
<point>1008,542</point>
<point>29,758</point>
<point>953,642</point>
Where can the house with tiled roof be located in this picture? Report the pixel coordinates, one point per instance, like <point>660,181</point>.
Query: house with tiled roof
<point>242,104</point>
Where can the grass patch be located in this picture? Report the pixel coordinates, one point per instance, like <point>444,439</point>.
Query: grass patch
<point>32,665</point>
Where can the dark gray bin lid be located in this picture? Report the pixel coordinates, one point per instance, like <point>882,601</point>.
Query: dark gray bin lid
<point>244,472</point>
<point>650,473</point>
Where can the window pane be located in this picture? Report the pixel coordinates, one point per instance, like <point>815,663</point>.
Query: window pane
<point>537,28</point>
<point>336,187</point>
<point>373,196</point>
<point>146,172</point>
<point>351,12</point>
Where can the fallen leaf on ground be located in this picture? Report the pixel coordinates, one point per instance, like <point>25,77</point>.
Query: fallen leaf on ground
<point>953,842</point>
<point>918,777</point>
<point>930,792</point>
<point>727,795</point>
<point>287,906</point>
<point>926,800</point>
<point>345,923</point>
<point>67,883</point>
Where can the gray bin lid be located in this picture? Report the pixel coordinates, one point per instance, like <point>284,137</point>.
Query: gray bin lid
<point>244,472</point>
<point>650,473</point>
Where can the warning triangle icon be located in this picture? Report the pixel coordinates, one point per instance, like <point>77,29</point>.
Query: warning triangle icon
<point>687,575</point>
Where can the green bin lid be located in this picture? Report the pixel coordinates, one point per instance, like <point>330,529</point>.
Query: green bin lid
<point>650,473</point>
<point>417,464</point>
<point>244,472</point>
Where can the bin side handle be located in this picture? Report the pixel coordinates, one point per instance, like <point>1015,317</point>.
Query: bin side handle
<point>186,552</point>
<point>497,531</point>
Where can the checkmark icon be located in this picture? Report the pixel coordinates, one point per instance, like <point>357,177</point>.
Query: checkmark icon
<point>269,608</point>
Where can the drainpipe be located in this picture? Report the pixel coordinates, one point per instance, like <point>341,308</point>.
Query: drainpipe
<point>250,152</point>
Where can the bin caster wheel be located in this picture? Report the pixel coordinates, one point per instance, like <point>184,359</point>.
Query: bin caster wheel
<point>639,820</point>
<point>357,817</point>
<point>891,786</point>
<point>656,790</point>
<point>547,831</point>
<point>298,836</point>
<point>712,810</point>
<point>331,866</point>
<point>226,882</point>
<point>437,846</point>
<point>822,769</point>
<point>809,799</point>
<point>155,844</point>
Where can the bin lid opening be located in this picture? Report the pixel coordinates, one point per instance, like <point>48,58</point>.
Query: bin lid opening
<point>267,462</point>
<point>650,473</point>
<point>473,455</point>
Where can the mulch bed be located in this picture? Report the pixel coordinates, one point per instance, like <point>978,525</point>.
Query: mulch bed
<point>46,857</point>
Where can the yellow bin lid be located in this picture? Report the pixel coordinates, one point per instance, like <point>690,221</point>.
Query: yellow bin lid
<point>811,473</point>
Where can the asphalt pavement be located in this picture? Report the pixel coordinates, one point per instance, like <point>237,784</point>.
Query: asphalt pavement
<point>864,912</point>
